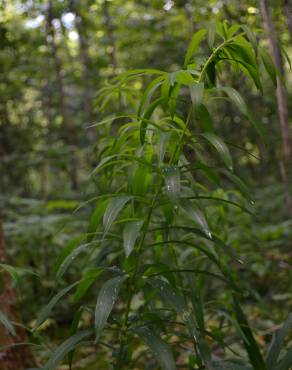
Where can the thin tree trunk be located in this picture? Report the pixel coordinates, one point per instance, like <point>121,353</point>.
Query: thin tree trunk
<point>12,357</point>
<point>68,126</point>
<point>84,58</point>
<point>110,33</point>
<point>281,93</point>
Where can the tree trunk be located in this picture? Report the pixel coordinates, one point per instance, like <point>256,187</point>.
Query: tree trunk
<point>67,123</point>
<point>84,58</point>
<point>110,33</point>
<point>282,104</point>
<point>12,356</point>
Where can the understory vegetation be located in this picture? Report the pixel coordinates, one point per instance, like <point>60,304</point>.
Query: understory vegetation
<point>156,232</point>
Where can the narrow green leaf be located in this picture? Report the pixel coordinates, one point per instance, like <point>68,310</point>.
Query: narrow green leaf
<point>240,185</point>
<point>86,282</point>
<point>211,35</point>
<point>232,30</point>
<point>130,234</point>
<point>251,346</point>
<point>7,323</point>
<point>161,145</point>
<point>221,148</point>
<point>73,331</point>
<point>104,161</point>
<point>113,209</point>
<point>96,218</point>
<point>105,301</point>
<point>67,346</point>
<point>269,65</point>
<point>184,78</point>
<point>150,90</point>
<point>194,213</point>
<point>174,299</point>
<point>236,98</point>
<point>69,259</point>
<point>251,37</point>
<point>45,312</point>
<point>172,182</point>
<point>195,42</point>
<point>204,118</point>
<point>196,91</point>
<point>277,343</point>
<point>173,99</point>
<point>240,104</point>
<point>70,246</point>
<point>16,272</point>
<point>286,361</point>
<point>146,117</point>
<point>169,295</point>
<point>140,179</point>
<point>286,56</point>
<point>158,347</point>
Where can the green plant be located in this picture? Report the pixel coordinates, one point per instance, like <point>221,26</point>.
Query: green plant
<point>151,240</point>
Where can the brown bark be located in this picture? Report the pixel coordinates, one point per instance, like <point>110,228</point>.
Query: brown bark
<point>12,357</point>
<point>281,94</point>
<point>67,122</point>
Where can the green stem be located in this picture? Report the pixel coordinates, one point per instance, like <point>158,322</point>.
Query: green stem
<point>214,53</point>
<point>133,278</point>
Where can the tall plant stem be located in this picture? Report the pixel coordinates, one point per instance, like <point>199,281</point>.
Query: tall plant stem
<point>133,277</point>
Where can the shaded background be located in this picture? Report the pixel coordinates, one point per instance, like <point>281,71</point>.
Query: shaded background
<point>55,57</point>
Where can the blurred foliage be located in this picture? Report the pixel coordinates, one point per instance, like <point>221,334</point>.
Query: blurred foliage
<point>45,140</point>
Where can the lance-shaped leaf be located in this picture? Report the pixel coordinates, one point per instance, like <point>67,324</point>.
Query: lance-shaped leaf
<point>221,148</point>
<point>269,65</point>
<point>113,209</point>
<point>150,90</point>
<point>194,212</point>
<point>146,117</point>
<point>174,299</point>
<point>95,218</point>
<point>196,92</point>
<point>172,182</point>
<point>7,323</point>
<point>70,246</point>
<point>250,344</point>
<point>45,312</point>
<point>251,37</point>
<point>161,145</point>
<point>242,107</point>
<point>277,343</point>
<point>16,272</point>
<point>105,301</point>
<point>86,282</point>
<point>67,346</point>
<point>286,361</point>
<point>184,77</point>
<point>158,347</point>
<point>195,42</point>
<point>69,259</point>
<point>204,118</point>
<point>173,98</point>
<point>130,234</point>
<point>73,331</point>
